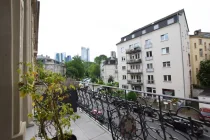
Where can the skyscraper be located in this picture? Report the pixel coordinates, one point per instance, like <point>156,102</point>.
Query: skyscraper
<point>61,57</point>
<point>85,54</point>
<point>68,58</point>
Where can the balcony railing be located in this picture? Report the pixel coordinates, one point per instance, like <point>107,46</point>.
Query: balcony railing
<point>149,58</point>
<point>150,81</point>
<point>134,71</point>
<point>150,69</point>
<point>135,50</point>
<point>149,116</point>
<point>134,82</point>
<point>132,61</point>
<point>147,46</point>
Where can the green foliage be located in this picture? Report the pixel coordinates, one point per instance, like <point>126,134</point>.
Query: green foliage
<point>86,67</point>
<point>132,96</point>
<point>93,79</point>
<point>94,70</point>
<point>116,84</point>
<point>75,68</point>
<point>100,82</point>
<point>204,73</point>
<point>109,84</point>
<point>98,59</point>
<point>48,101</point>
<point>110,79</point>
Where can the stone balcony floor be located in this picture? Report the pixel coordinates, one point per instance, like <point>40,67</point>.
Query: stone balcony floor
<point>84,128</point>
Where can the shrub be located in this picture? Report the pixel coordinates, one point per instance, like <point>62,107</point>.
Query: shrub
<point>132,96</point>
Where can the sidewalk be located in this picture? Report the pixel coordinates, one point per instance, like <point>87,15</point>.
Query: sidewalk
<point>84,128</point>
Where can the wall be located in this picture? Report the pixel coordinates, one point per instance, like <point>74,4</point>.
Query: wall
<point>107,71</point>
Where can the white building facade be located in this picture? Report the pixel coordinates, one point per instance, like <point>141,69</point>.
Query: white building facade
<point>156,57</point>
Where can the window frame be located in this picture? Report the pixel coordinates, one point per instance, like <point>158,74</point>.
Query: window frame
<point>155,27</point>
<point>166,78</point>
<point>167,64</point>
<point>164,37</point>
<point>170,21</point>
<point>166,48</point>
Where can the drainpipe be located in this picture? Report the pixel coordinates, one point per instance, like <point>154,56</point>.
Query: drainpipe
<point>181,54</point>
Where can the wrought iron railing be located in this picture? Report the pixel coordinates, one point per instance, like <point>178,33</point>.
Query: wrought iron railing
<point>149,116</point>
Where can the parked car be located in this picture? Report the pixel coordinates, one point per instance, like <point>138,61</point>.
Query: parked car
<point>205,114</point>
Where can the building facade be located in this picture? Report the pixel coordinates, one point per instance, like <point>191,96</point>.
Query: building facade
<point>109,68</point>
<point>85,54</point>
<point>68,58</point>
<point>60,57</point>
<point>53,65</point>
<point>200,50</point>
<point>156,57</point>
<point>19,43</point>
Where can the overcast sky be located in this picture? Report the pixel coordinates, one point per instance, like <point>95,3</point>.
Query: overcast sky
<point>67,25</point>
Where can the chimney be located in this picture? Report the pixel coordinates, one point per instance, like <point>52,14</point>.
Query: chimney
<point>196,32</point>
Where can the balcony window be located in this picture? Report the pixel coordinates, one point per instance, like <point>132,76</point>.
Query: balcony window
<point>170,21</point>
<point>144,32</point>
<point>201,52</point>
<point>167,78</point>
<point>166,64</point>
<point>149,54</point>
<point>156,27</point>
<point>124,77</point>
<point>149,66</point>
<point>165,50</point>
<point>200,42</point>
<point>164,37</point>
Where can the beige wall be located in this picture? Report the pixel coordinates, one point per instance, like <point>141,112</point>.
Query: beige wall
<point>195,52</point>
<point>15,47</point>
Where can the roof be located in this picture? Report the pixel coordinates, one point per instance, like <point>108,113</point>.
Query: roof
<point>153,23</point>
<point>202,35</point>
<point>205,93</point>
<point>110,61</point>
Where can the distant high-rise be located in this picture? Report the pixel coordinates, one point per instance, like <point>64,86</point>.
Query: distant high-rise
<point>68,58</point>
<point>85,54</point>
<point>61,57</point>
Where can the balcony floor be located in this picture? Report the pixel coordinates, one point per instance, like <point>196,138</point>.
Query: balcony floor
<point>84,128</point>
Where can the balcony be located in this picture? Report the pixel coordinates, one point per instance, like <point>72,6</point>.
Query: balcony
<point>150,81</point>
<point>135,50</point>
<point>150,69</point>
<point>151,115</point>
<point>134,82</point>
<point>134,71</point>
<point>147,46</point>
<point>132,61</point>
<point>149,58</point>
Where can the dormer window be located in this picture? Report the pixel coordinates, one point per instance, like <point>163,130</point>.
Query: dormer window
<point>133,35</point>
<point>144,32</point>
<point>156,27</point>
<point>124,39</point>
<point>170,21</point>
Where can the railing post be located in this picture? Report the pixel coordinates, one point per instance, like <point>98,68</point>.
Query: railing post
<point>161,118</point>
<point>110,124</point>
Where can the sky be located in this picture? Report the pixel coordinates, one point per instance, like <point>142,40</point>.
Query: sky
<point>68,25</point>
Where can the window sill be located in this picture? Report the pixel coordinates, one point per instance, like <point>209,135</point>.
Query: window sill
<point>167,81</point>
<point>166,54</point>
<point>166,67</point>
<point>163,40</point>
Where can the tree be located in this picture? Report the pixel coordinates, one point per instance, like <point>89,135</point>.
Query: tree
<point>86,67</point>
<point>110,79</point>
<point>94,70</point>
<point>75,68</point>
<point>99,58</point>
<point>204,73</point>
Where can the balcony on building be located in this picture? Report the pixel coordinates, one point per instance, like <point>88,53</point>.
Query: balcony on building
<point>133,50</point>
<point>150,69</point>
<point>134,71</point>
<point>133,61</point>
<point>135,82</point>
<point>149,58</point>
<point>150,81</point>
<point>148,45</point>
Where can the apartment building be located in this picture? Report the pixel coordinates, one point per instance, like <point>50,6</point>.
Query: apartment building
<point>156,57</point>
<point>19,43</point>
<point>109,68</point>
<point>200,50</point>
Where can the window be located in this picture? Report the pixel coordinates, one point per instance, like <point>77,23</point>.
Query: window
<point>125,86</point>
<point>122,49</point>
<point>206,56</point>
<point>124,77</point>
<point>123,58</point>
<point>137,67</point>
<point>167,78</point>
<point>205,46</point>
<point>195,45</point>
<point>149,89</point>
<point>166,64</point>
<point>124,39</point>
<point>201,52</point>
<point>209,46</point>
<point>123,67</point>
<point>148,43</point>
<point>169,92</point>
<point>133,35</point>
<point>156,27</point>
<point>164,37</point>
<point>165,50</point>
<point>189,59</point>
<point>150,79</point>
<point>170,21</point>
<point>144,32</point>
<point>149,66</point>
<point>200,41</point>
<point>149,54</point>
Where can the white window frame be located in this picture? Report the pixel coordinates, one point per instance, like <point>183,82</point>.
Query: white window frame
<point>144,32</point>
<point>164,37</point>
<point>149,54</point>
<point>164,50</point>
<point>150,66</point>
<point>170,21</point>
<point>167,64</point>
<point>156,26</point>
<point>167,78</point>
